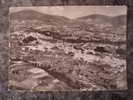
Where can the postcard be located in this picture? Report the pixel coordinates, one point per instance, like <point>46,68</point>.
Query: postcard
<point>68,48</point>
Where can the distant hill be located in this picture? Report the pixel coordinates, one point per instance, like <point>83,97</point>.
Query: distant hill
<point>95,17</point>
<point>61,20</point>
<point>34,15</point>
<point>99,19</point>
<point>119,20</point>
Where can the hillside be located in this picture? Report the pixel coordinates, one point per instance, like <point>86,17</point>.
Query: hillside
<point>34,15</point>
<point>101,19</point>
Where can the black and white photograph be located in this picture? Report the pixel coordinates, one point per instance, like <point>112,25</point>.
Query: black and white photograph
<point>67,48</point>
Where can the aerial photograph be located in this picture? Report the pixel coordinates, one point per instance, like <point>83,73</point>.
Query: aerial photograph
<point>67,48</point>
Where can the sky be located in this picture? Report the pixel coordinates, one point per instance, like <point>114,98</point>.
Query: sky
<point>76,11</point>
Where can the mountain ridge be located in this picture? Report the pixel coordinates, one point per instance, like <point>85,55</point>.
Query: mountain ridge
<point>34,15</point>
